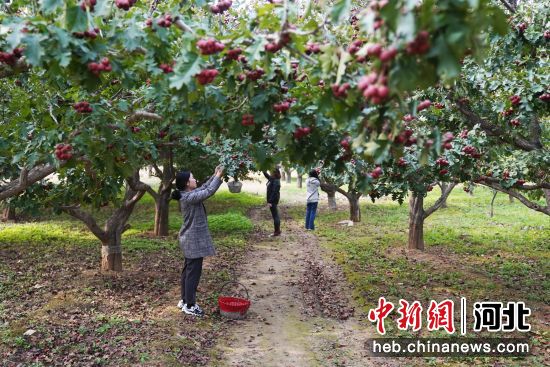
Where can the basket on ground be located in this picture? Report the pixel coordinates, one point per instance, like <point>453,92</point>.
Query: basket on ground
<point>233,307</point>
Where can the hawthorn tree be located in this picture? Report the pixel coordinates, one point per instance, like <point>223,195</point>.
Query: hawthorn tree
<point>85,76</point>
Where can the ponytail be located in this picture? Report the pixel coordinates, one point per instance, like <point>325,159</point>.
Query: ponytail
<point>176,195</point>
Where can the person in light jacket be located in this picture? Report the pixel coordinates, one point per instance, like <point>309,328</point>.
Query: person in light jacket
<point>273,196</point>
<point>312,193</point>
<point>194,238</point>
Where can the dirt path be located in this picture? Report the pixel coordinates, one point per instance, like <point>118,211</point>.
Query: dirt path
<point>280,329</point>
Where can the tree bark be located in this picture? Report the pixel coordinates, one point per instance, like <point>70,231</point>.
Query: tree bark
<point>8,214</point>
<point>162,213</point>
<point>354,208</point>
<point>111,252</point>
<point>331,194</point>
<point>288,175</point>
<point>416,223</point>
<point>510,198</point>
<point>443,186</point>
<point>332,200</point>
<point>283,175</point>
<point>299,181</point>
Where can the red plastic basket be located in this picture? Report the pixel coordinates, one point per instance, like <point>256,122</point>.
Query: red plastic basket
<point>233,307</point>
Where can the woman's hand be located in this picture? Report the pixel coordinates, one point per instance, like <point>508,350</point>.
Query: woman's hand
<point>219,171</point>
<point>269,205</point>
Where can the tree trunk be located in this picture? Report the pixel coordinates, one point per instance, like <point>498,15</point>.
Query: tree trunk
<point>288,176</point>
<point>162,211</point>
<point>283,175</point>
<point>332,200</point>
<point>299,181</point>
<point>354,209</point>
<point>111,252</point>
<point>416,223</point>
<point>8,213</point>
<point>511,198</point>
<point>443,186</point>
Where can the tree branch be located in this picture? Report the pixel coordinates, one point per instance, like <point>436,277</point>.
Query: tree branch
<point>508,6</point>
<point>444,195</point>
<point>143,115</point>
<point>494,130</point>
<point>26,179</point>
<point>517,195</point>
<point>89,220</point>
<point>137,185</point>
<point>543,185</point>
<point>184,27</point>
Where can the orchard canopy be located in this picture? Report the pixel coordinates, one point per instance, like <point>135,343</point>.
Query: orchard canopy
<point>392,96</point>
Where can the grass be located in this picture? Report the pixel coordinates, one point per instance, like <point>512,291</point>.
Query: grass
<point>468,254</point>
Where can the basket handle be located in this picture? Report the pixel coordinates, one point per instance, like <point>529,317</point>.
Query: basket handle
<point>235,282</point>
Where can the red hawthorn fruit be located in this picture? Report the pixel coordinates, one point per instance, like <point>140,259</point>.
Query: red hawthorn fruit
<point>312,48</point>
<point>545,97</point>
<point>210,46</point>
<point>420,45</point>
<point>82,107</point>
<point>233,54</point>
<point>301,132</point>
<point>247,120</point>
<point>374,50</point>
<point>355,46</point>
<point>447,146</point>
<point>165,21</point>
<point>63,152</point>
<point>408,118</point>
<point>401,162</point>
<point>442,162</point>
<point>463,134</point>
<point>376,173</point>
<point>439,105</point>
<point>515,99</point>
<point>522,27</point>
<point>90,4</point>
<point>340,91</point>
<point>430,188</point>
<point>163,134</point>
<point>221,6</point>
<point>125,4</point>
<point>388,54</point>
<point>505,174</point>
<point>282,106</point>
<point>443,172</point>
<point>206,76</point>
<point>448,137</point>
<point>508,112</point>
<point>345,143</point>
<point>515,122</point>
<point>547,34</point>
<point>520,182</point>
<point>166,68</point>
<point>423,105</point>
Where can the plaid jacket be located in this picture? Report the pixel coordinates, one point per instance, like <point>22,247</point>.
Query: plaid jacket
<point>194,237</point>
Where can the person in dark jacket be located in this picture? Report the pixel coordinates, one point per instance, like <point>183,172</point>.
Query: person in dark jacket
<point>273,196</point>
<point>194,238</point>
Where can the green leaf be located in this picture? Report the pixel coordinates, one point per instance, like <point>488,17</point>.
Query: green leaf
<point>406,26</point>
<point>34,51</point>
<point>186,68</point>
<point>344,58</point>
<point>76,19</point>
<point>50,6</point>
<point>340,10</point>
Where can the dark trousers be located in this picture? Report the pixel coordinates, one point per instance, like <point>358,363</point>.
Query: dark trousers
<point>311,210</point>
<point>190,277</point>
<point>276,219</point>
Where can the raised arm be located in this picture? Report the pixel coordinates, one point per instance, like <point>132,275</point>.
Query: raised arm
<point>266,175</point>
<point>198,195</point>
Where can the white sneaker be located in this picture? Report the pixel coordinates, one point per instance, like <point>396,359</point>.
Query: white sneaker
<point>194,310</point>
<point>180,304</point>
